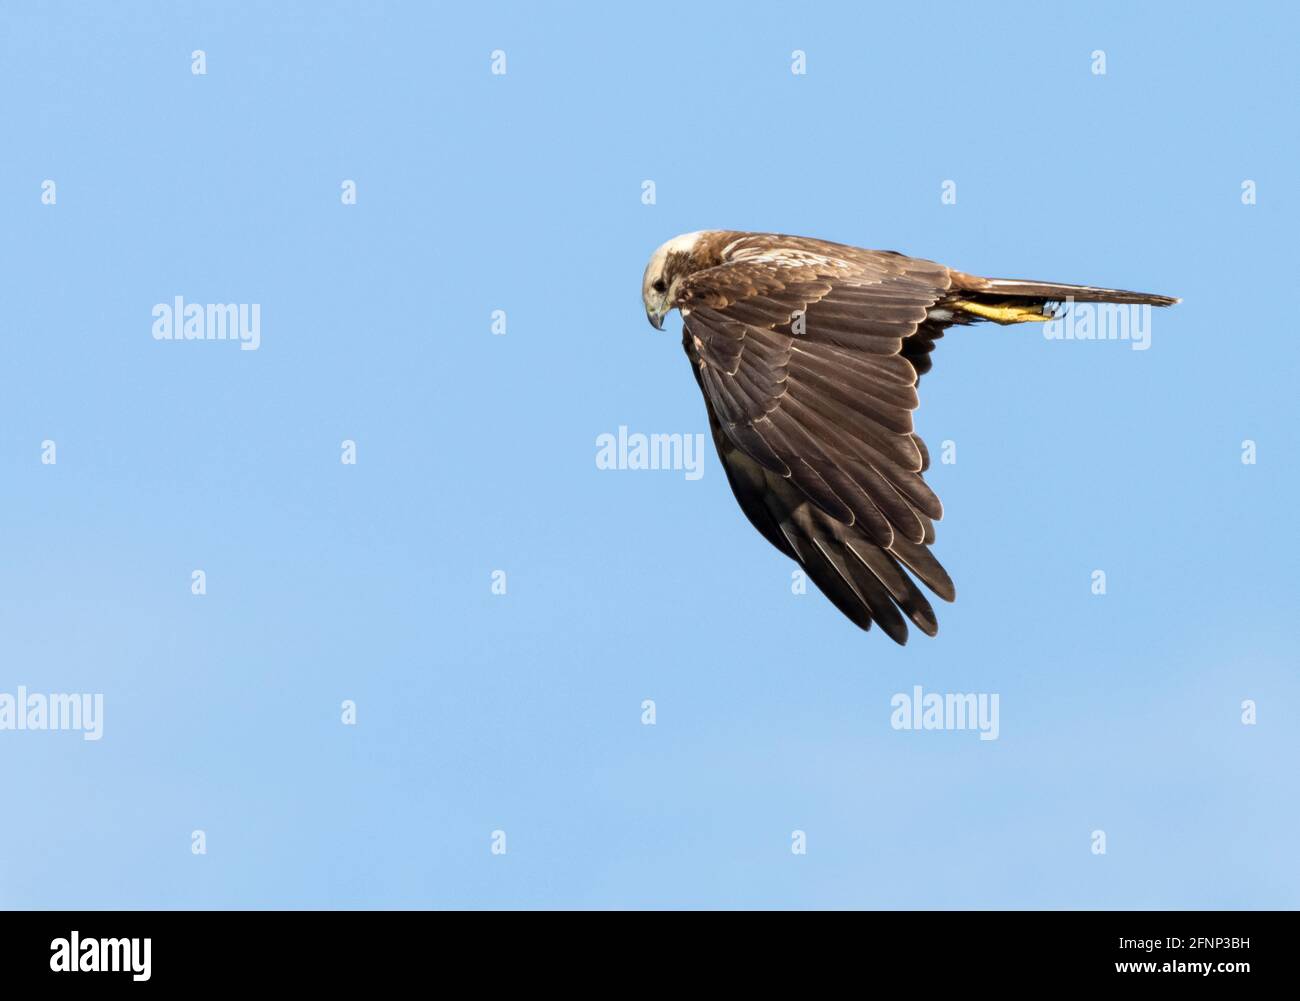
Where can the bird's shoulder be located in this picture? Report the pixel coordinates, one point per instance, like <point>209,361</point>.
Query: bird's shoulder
<point>728,266</point>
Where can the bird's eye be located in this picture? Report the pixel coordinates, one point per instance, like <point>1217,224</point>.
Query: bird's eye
<point>659,286</point>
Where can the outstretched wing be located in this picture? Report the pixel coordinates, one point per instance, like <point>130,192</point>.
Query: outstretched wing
<point>808,355</point>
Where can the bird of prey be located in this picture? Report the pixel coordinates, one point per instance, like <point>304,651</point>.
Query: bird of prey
<point>808,354</point>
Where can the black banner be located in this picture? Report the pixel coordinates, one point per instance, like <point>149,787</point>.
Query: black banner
<point>87,949</point>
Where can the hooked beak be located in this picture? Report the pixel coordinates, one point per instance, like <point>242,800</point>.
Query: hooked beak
<point>656,319</point>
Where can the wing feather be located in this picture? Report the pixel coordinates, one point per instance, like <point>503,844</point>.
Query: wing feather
<point>808,355</point>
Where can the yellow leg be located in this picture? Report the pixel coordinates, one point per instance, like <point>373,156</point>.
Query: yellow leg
<point>1004,314</point>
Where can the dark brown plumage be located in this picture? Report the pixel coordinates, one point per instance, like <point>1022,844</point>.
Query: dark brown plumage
<point>808,354</point>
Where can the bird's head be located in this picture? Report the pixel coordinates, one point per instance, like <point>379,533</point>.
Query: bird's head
<point>668,266</point>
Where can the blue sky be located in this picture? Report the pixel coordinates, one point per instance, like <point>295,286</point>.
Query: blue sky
<point>476,453</point>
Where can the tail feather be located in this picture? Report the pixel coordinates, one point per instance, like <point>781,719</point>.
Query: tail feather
<point>1014,300</point>
<point>1019,289</point>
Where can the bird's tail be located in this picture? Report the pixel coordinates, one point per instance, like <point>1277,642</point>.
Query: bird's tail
<point>1013,300</point>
